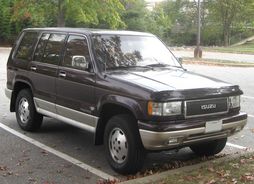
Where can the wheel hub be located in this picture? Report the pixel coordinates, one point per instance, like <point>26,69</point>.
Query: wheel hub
<point>23,110</point>
<point>118,145</point>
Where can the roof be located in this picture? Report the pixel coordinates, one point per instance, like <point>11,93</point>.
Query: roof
<point>90,31</point>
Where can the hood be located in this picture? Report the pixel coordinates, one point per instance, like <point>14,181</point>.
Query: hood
<point>167,79</point>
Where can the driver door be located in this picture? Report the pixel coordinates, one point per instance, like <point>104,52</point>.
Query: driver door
<point>75,84</point>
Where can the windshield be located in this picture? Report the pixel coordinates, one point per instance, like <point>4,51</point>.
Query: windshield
<point>117,51</point>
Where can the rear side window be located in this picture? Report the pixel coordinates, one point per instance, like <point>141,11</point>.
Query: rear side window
<point>49,48</point>
<point>76,47</point>
<point>26,46</point>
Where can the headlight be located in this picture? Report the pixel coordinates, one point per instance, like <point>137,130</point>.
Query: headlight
<point>234,101</point>
<point>164,109</point>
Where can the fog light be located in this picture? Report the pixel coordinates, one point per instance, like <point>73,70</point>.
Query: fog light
<point>173,140</point>
<point>237,129</point>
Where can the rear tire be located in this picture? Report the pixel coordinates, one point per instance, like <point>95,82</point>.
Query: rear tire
<point>124,150</point>
<point>209,148</point>
<point>27,117</point>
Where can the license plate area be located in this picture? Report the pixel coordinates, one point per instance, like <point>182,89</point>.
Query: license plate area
<point>213,126</point>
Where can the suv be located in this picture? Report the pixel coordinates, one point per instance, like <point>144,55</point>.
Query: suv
<point>125,87</point>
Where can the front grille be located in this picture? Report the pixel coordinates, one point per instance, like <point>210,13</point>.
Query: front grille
<point>196,108</point>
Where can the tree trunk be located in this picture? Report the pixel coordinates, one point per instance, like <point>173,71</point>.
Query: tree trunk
<point>226,34</point>
<point>61,14</point>
<point>226,39</point>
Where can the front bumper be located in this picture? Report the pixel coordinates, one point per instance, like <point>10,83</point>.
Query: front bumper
<point>153,140</point>
<point>8,93</point>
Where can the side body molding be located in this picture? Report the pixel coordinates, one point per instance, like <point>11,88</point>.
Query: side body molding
<point>72,117</point>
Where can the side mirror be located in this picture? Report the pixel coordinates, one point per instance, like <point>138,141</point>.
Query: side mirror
<point>180,60</point>
<point>80,62</point>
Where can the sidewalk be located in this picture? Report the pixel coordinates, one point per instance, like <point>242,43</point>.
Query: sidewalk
<point>248,58</point>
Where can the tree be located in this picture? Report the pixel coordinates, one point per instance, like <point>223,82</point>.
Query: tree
<point>158,22</point>
<point>183,18</point>
<point>5,14</point>
<point>228,12</point>
<point>90,12</point>
<point>32,13</point>
<point>134,15</point>
<point>36,12</point>
<point>19,14</point>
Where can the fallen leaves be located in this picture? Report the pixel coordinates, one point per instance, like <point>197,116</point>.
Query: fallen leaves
<point>47,182</point>
<point>30,179</point>
<point>9,173</point>
<point>44,152</point>
<point>211,181</point>
<point>189,178</point>
<point>234,181</point>
<point>107,181</point>
<point>242,161</point>
<point>247,177</point>
<point>211,169</point>
<point>6,171</point>
<point>235,165</point>
<point>3,168</point>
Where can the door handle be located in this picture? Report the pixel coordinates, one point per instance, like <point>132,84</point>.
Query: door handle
<point>34,68</point>
<point>62,74</point>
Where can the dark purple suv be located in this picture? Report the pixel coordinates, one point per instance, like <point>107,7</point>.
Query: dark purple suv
<point>125,87</point>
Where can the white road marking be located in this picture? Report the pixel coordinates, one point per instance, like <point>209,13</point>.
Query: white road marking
<point>251,115</point>
<point>59,154</point>
<point>250,97</point>
<point>236,146</point>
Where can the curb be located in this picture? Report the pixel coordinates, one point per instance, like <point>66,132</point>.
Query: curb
<point>156,178</point>
<point>5,48</point>
<point>218,63</point>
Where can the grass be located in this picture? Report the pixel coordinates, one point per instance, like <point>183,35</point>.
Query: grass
<point>240,170</point>
<point>214,62</point>
<point>247,48</point>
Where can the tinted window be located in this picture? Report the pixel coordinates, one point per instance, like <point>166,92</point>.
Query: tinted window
<point>76,48</point>
<point>52,51</point>
<point>40,47</point>
<point>26,46</point>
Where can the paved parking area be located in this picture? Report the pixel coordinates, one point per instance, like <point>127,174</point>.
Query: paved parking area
<point>59,153</point>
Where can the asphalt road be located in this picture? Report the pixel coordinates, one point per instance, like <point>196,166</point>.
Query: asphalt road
<point>59,153</point>
<point>217,55</point>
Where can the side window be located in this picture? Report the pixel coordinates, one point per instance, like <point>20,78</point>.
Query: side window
<point>77,53</point>
<point>40,47</point>
<point>52,51</point>
<point>26,45</point>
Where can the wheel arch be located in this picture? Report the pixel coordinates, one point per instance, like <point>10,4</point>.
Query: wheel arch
<point>111,108</point>
<point>18,86</point>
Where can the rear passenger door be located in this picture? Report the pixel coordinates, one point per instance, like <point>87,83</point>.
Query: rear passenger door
<point>43,69</point>
<point>75,83</point>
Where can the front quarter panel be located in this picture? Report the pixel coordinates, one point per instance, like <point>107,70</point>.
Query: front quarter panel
<point>131,104</point>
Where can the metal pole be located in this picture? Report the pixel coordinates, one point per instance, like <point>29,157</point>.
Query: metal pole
<point>198,51</point>
<point>198,39</point>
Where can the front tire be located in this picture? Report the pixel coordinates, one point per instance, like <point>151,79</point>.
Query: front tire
<point>124,150</point>
<point>209,148</point>
<point>27,117</point>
